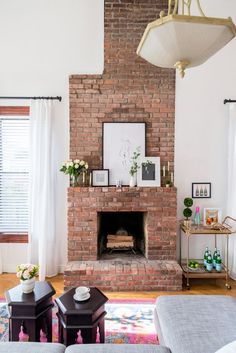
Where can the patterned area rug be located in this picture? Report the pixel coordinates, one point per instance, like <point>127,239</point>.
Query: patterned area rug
<point>125,322</point>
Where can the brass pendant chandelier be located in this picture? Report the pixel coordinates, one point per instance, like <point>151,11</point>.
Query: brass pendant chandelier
<point>181,40</point>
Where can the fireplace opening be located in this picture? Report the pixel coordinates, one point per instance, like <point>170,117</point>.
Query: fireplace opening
<point>121,232</point>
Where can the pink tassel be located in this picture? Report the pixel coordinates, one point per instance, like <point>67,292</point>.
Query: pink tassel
<point>79,339</point>
<point>43,337</point>
<point>23,337</point>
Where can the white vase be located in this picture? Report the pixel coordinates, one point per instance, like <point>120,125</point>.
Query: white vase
<point>27,286</point>
<point>133,180</point>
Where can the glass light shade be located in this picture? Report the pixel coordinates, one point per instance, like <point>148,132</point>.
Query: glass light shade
<point>184,41</point>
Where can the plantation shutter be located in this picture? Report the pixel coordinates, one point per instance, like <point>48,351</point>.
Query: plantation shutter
<point>14,170</point>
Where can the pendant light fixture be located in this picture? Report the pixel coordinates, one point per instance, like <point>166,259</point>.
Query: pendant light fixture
<point>181,40</point>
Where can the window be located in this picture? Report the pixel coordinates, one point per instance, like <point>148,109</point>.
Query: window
<point>14,172</point>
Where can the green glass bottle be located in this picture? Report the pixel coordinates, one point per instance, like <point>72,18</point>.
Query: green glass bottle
<point>209,265</point>
<point>206,253</point>
<point>215,257</point>
<point>218,264</point>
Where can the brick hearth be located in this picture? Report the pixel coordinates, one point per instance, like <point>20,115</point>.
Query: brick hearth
<point>124,275</point>
<point>129,90</point>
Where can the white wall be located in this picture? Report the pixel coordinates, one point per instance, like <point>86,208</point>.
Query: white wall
<point>201,121</point>
<point>42,43</point>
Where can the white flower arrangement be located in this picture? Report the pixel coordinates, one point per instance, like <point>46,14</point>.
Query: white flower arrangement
<point>27,271</point>
<point>74,167</point>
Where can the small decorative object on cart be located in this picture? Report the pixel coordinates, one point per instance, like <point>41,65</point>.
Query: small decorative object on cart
<point>193,265</point>
<point>77,170</point>
<point>187,212</point>
<point>27,274</point>
<point>197,216</point>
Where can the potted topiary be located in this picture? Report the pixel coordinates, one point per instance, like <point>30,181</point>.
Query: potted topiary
<point>187,212</point>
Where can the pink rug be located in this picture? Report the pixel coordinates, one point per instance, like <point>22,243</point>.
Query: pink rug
<point>126,322</point>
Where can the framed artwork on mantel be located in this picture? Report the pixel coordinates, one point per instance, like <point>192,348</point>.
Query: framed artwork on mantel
<point>100,177</point>
<point>120,141</point>
<point>149,173</point>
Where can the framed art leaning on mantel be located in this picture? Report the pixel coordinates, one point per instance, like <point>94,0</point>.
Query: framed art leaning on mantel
<point>120,141</point>
<point>149,172</point>
<point>100,177</point>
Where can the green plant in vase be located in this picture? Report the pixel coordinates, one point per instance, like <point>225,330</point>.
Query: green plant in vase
<point>187,212</point>
<point>135,165</point>
<point>168,183</point>
<point>134,168</point>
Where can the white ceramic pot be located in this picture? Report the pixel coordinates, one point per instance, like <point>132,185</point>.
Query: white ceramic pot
<point>133,180</point>
<point>27,285</point>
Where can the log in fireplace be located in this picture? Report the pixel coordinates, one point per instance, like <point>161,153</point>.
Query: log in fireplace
<point>121,231</point>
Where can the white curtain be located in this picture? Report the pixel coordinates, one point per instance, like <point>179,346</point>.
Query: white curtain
<point>42,235</point>
<point>231,188</point>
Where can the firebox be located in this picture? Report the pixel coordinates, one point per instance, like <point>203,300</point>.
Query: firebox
<point>121,232</point>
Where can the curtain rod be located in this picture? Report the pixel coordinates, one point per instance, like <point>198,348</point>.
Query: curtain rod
<point>229,101</point>
<point>51,98</point>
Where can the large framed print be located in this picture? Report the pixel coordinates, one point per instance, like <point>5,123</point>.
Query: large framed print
<point>120,141</point>
<point>149,173</point>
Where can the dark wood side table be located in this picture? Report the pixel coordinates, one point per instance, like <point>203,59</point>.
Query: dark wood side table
<point>33,311</point>
<point>86,316</point>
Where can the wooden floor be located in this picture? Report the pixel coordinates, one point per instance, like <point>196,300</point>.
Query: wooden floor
<point>9,280</point>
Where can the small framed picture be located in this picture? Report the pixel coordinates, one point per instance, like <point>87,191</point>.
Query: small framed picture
<point>201,190</point>
<point>211,216</point>
<point>149,172</point>
<point>100,177</point>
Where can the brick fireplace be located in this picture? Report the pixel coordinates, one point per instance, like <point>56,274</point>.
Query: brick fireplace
<point>129,90</point>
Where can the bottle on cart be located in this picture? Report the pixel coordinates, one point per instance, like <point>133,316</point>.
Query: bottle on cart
<point>215,257</point>
<point>218,263</point>
<point>197,216</point>
<point>209,265</point>
<point>206,253</point>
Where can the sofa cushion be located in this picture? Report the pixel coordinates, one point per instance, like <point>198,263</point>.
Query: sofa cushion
<point>196,323</point>
<point>116,348</point>
<point>31,347</point>
<point>229,348</point>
